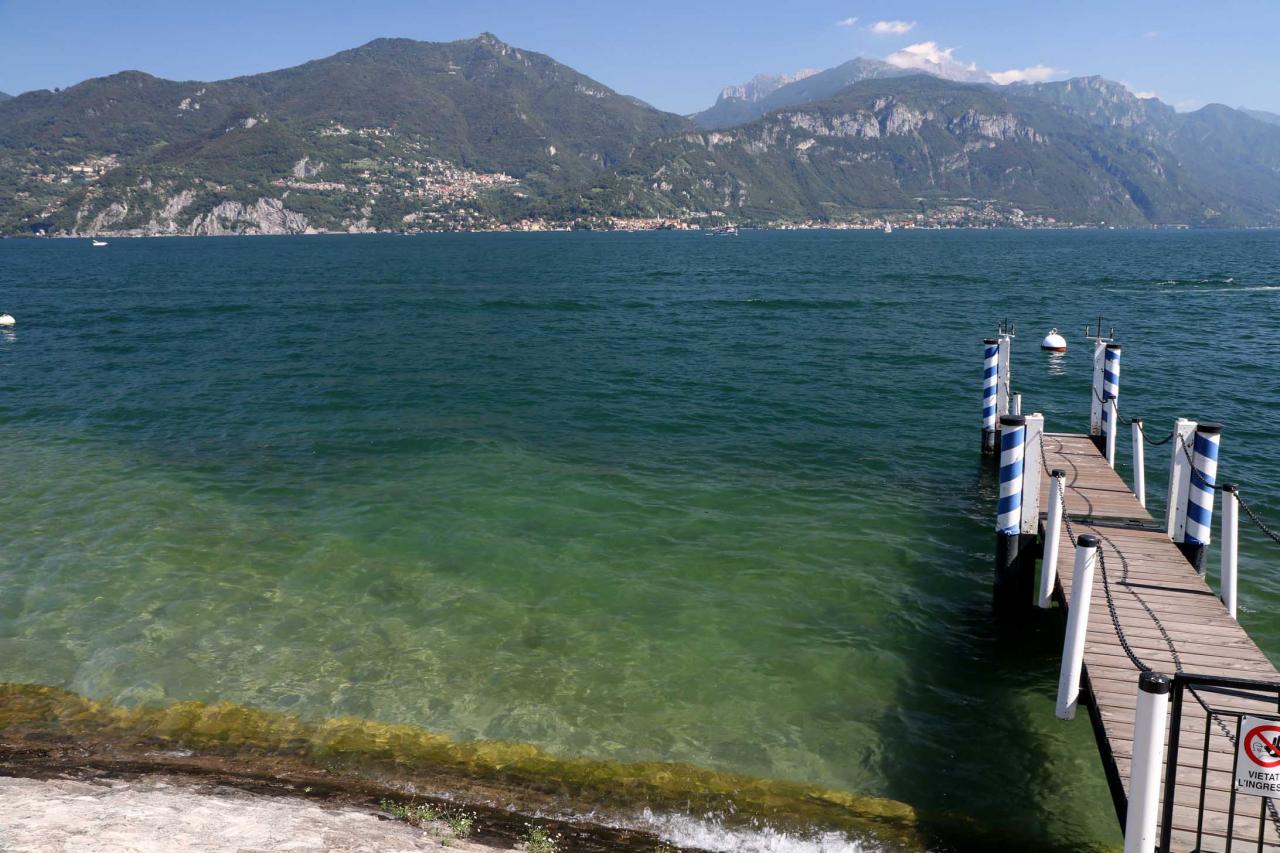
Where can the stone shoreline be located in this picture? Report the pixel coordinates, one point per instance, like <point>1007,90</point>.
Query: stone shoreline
<point>159,814</point>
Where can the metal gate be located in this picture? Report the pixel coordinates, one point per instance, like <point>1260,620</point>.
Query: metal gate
<point>1201,809</point>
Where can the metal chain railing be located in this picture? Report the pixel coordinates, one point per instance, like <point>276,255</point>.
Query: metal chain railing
<point>1258,522</point>
<point>1112,611</point>
<point>1142,427</point>
<point>1262,526</point>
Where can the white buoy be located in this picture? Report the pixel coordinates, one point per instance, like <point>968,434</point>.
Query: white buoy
<point>1054,342</point>
<point>7,320</point>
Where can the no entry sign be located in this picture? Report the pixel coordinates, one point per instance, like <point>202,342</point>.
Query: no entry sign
<point>1258,757</point>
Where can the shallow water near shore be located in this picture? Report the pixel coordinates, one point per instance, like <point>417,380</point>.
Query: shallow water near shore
<point>624,497</point>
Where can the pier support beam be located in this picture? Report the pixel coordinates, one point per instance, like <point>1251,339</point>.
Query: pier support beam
<point>1179,478</point>
<point>1150,719</point>
<point>1052,538</point>
<point>1095,401</point>
<point>1077,626</point>
<point>1002,388</point>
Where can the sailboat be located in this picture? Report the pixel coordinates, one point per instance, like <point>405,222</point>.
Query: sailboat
<point>888,228</point>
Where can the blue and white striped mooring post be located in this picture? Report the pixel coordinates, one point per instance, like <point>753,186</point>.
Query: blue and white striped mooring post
<point>1200,490</point>
<point>1110,396</point>
<point>990,380</point>
<point>1015,551</point>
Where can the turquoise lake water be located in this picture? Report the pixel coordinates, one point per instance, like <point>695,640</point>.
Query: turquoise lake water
<point>627,496</point>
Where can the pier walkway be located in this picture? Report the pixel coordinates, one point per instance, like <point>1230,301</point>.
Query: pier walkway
<point>1151,609</point>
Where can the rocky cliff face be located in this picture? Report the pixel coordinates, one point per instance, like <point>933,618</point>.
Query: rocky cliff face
<point>266,216</point>
<point>168,217</point>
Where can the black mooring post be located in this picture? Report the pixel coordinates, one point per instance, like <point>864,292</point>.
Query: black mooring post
<point>1013,595</point>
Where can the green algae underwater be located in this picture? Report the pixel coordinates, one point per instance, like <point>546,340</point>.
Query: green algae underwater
<point>597,522</point>
<point>37,723</point>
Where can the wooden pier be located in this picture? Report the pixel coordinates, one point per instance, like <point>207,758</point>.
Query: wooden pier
<point>1173,622</point>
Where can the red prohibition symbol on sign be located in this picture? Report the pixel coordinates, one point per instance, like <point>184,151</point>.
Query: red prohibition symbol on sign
<point>1262,745</point>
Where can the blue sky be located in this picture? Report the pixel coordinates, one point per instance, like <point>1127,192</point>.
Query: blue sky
<point>676,55</point>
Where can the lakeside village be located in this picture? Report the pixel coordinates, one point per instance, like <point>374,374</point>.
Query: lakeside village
<point>450,198</point>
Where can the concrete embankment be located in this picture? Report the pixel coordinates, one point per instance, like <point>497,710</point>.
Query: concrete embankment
<point>163,814</point>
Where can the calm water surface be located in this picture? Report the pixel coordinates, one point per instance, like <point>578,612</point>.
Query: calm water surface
<point>632,496</point>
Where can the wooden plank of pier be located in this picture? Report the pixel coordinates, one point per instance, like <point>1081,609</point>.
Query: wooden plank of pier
<point>1149,575</point>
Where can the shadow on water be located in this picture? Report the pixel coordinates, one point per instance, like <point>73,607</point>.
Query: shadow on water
<point>991,689</point>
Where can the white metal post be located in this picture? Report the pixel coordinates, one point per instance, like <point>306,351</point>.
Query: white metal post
<point>1179,479</point>
<point>1112,424</point>
<point>1015,408</point>
<point>1077,625</point>
<point>1149,722</point>
<point>1230,545</point>
<point>1052,538</point>
<point>1139,463</point>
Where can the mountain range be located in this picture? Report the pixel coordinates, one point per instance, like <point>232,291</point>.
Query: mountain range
<point>1261,115</point>
<point>739,105</point>
<point>401,135</point>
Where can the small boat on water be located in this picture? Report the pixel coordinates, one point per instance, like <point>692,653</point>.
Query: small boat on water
<point>888,228</point>
<point>7,320</point>
<point>99,242</point>
<point>724,231</point>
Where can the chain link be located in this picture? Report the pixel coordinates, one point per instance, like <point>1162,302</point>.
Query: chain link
<point>1259,523</point>
<point>1112,611</point>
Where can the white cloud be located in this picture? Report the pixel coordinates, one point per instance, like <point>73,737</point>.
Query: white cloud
<point>847,22</point>
<point>892,28</point>
<point>1146,96</point>
<point>1032,74</point>
<point>927,56</point>
<point>1151,34</point>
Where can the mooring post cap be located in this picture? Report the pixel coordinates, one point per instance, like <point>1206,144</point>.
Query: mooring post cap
<point>1013,420</point>
<point>1230,488</point>
<point>1115,345</point>
<point>1057,472</point>
<point>1136,421</point>
<point>1087,540</point>
<point>990,341</point>
<point>1209,428</point>
<point>1155,682</point>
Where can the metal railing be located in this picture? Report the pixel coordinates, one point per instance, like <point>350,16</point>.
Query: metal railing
<point>1199,783</point>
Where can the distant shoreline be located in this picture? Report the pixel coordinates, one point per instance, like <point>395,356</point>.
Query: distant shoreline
<point>110,235</point>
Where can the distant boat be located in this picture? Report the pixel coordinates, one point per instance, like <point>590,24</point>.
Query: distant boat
<point>888,228</point>
<point>7,320</point>
<point>99,242</point>
<point>724,231</point>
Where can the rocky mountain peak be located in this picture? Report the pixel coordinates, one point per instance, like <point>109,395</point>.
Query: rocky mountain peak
<point>763,85</point>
